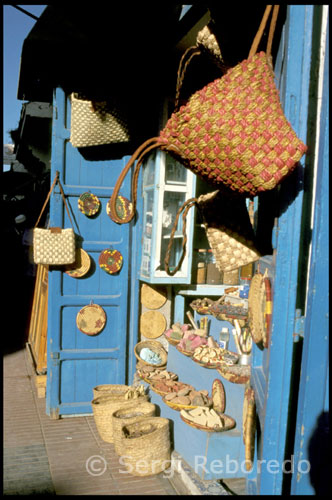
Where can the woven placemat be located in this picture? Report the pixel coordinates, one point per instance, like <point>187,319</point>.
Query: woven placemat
<point>152,324</point>
<point>260,309</point>
<point>81,265</point>
<point>153,298</point>
<point>123,207</point>
<point>89,204</point>
<point>110,260</point>
<point>91,319</point>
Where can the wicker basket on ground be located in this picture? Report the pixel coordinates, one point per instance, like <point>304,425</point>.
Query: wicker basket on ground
<point>103,408</point>
<point>129,415</point>
<point>145,446</point>
<point>109,389</point>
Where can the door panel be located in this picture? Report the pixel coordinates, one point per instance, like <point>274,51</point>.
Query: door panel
<point>77,362</point>
<point>272,367</point>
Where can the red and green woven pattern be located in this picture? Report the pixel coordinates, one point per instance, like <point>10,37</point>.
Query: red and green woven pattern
<point>110,261</point>
<point>233,132</point>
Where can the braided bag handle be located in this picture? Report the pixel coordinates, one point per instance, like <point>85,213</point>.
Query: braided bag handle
<point>205,42</point>
<point>56,181</point>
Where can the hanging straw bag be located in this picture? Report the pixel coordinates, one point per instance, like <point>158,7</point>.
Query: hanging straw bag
<point>228,230</point>
<point>145,446</point>
<point>54,246</point>
<point>233,132</point>
<point>94,123</point>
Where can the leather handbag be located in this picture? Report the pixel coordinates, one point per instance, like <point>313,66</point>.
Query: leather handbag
<point>54,246</point>
<point>233,132</point>
<point>228,230</point>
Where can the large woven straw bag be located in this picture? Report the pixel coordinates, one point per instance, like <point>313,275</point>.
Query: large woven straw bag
<point>228,230</point>
<point>125,416</point>
<point>145,445</point>
<point>94,123</point>
<point>103,408</point>
<point>233,132</point>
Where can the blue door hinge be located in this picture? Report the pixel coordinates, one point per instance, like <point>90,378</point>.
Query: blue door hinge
<point>299,326</point>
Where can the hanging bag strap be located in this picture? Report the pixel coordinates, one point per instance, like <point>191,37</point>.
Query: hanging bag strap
<point>139,155</point>
<point>261,29</point>
<point>56,181</point>
<point>185,209</point>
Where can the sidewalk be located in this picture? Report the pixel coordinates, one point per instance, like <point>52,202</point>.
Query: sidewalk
<point>61,457</point>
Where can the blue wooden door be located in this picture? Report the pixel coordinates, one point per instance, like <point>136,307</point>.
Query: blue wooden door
<point>77,362</point>
<point>272,367</point>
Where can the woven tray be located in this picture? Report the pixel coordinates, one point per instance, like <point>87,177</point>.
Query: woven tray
<point>218,396</point>
<point>81,266</point>
<point>229,424</point>
<point>155,346</point>
<point>178,407</point>
<point>249,426</point>
<point>237,374</point>
<point>152,324</point>
<point>122,207</point>
<point>172,341</point>
<point>163,393</point>
<point>91,319</point>
<point>186,353</point>
<point>153,298</point>
<point>110,261</point>
<point>89,204</point>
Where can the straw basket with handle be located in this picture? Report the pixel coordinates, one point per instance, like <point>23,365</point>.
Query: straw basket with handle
<point>103,408</point>
<point>145,446</point>
<point>129,415</point>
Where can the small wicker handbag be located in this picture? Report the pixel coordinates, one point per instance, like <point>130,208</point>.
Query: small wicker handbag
<point>233,132</point>
<point>53,245</point>
<point>228,230</point>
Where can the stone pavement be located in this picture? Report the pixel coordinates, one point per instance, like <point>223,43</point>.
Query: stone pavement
<point>60,457</point>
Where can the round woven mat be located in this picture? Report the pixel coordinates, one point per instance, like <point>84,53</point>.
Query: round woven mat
<point>249,426</point>
<point>110,260</point>
<point>123,207</point>
<point>91,319</point>
<point>152,324</point>
<point>81,265</point>
<point>153,298</point>
<point>218,396</point>
<point>88,204</point>
<point>259,309</point>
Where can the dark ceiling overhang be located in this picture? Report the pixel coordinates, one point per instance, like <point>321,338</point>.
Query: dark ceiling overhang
<point>115,49</point>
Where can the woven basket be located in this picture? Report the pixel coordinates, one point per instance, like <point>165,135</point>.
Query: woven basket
<point>148,453</point>
<point>103,408</point>
<point>110,390</point>
<point>129,415</point>
<point>156,347</point>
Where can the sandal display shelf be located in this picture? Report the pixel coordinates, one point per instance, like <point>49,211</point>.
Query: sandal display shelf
<point>212,455</point>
